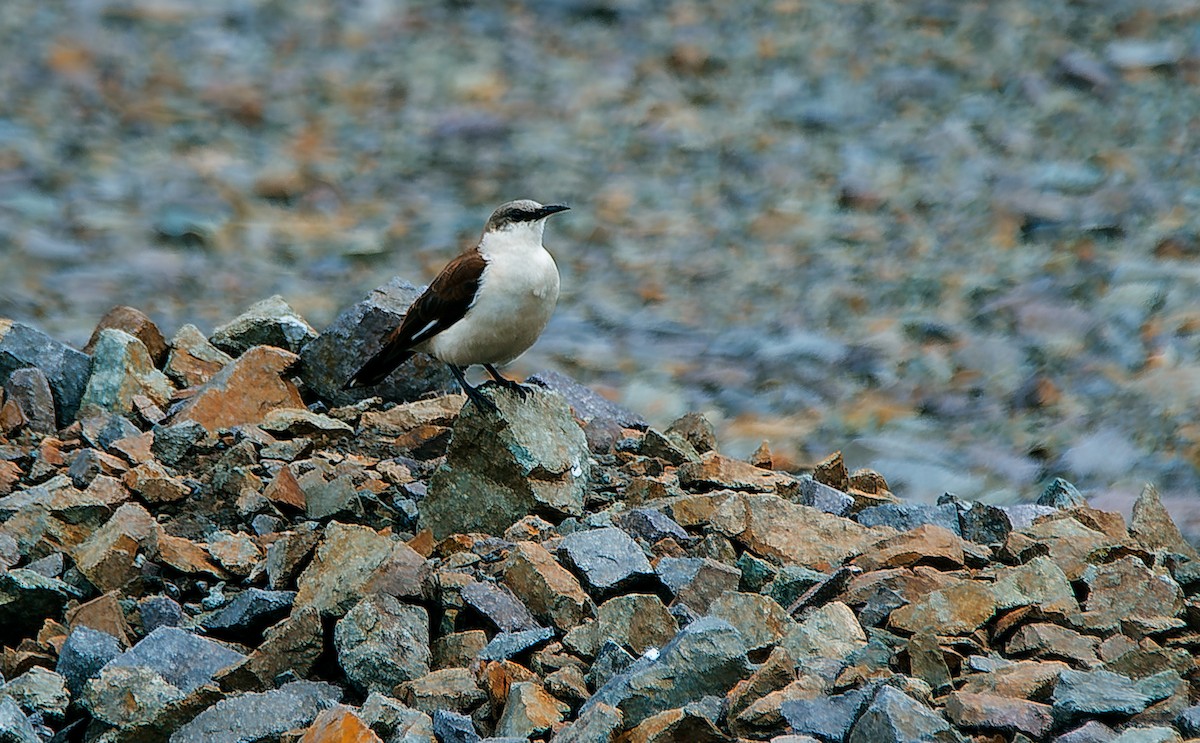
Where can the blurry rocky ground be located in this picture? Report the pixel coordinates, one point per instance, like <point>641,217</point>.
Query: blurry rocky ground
<point>956,239</point>
<point>205,540</point>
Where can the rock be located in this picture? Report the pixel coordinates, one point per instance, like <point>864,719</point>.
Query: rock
<point>458,649</point>
<point>638,622</point>
<point>1153,528</point>
<point>186,556</point>
<point>293,422</point>
<point>982,523</point>
<point>172,444</point>
<point>774,528</point>
<point>607,559</point>
<point>706,657</point>
<point>760,619</point>
<point>1038,582</point>
<point>333,357</point>
<point>697,581</point>
<point>989,712</point>
<point>1022,515</point>
<point>451,727</point>
<point>135,323</point>
<point>154,484</point>
<point>244,391</point>
<point>1020,680</point>
<point>831,631</point>
<point>181,659</point>
<point>601,419</point>
<point>159,611</point>
<point>1127,589</point>
<point>14,726</point>
<point>341,725</point>
<point>671,448</point>
<point>290,648</point>
<point>927,544</point>
<point>499,605</point>
<point>83,654</point>
<point>596,723</point>
<point>394,722</point>
<point>27,598</point>
<point>958,609</point>
<point>1083,694</point>
<point>676,725</point>
<point>1052,642</point>
<point>1069,542</point>
<point>530,711</point>
<point>346,557</point>
<point>1061,494</point>
<point>611,659</point>
<point>29,390</point>
<point>128,696</point>
<point>65,369</point>
<point>694,429</point>
<point>895,717</point>
<point>121,370</point>
<point>1089,732</point>
<point>792,582</point>
<point>236,552</point>
<point>192,360</point>
<point>382,642</point>
<point>271,322</point>
<point>822,497</point>
<point>906,516</point>
<point>717,471</point>
<point>453,689</point>
<point>285,490</point>
<point>39,691</point>
<point>530,457</point>
<point>549,591</point>
<point>259,716</point>
<point>249,613</point>
<point>825,717</point>
<point>507,645</point>
<point>650,525</point>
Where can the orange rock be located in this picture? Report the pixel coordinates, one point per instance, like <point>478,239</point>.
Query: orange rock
<point>339,725</point>
<point>186,556</point>
<point>193,360</point>
<point>831,471</point>
<point>104,614</point>
<point>927,544</point>
<point>715,471</point>
<point>10,475</point>
<point>498,677</point>
<point>549,591</point>
<point>244,391</point>
<point>285,489</point>
<point>155,484</point>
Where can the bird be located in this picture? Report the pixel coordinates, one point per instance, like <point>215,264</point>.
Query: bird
<point>486,307</point>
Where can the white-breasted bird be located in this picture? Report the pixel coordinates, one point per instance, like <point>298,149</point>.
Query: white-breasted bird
<point>487,306</point>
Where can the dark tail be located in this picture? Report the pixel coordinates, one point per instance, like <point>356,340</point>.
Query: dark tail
<point>378,367</point>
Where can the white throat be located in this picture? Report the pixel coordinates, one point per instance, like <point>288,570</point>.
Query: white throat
<point>518,239</point>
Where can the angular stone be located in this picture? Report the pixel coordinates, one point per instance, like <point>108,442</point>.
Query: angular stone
<point>823,497</point>
<point>1089,732</point>
<point>237,552</point>
<point>1038,582</point>
<point>549,591</point>
<point>285,490</point>
<point>608,559</point>
<point>28,598</point>
<point>40,691</point>
<point>135,323</point>
<point>121,370</point>
<point>451,727</point>
<point>244,391</point>
<point>651,525</point>
<point>671,448</point>
<point>981,523</point>
<point>1002,714</point>
<point>760,619</point>
<point>706,657</point>
<point>596,723</point>
<point>398,420</point>
<point>825,717</point>
<point>394,722</point>
<point>639,622</point>
<point>529,457</point>
<point>404,574</point>
<point>776,529</point>
<point>507,645</point>
<point>84,653</point>
<point>958,609</point>
<point>382,642</point>
<point>159,611</point>
<point>103,613</point>
<point>192,360</point>
<point>927,661</point>
<point>346,557</point>
<point>453,689</point>
<point>895,717</point>
<point>29,390</point>
<point>259,716</point>
<point>1153,528</point>
<point>339,725</point>
<point>458,649</point>
<point>290,647</point>
<point>186,556</point>
<point>906,516</point>
<point>1070,543</point>
<point>830,631</point>
<point>183,660</point>
<point>697,581</point>
<point>716,471</point>
<point>1126,588</point>
<point>499,605</point>
<point>14,726</point>
<point>927,544</point>
<point>1052,642</point>
<point>529,711</point>
<point>329,360</point>
<point>270,322</point>
<point>65,368</point>
<point>293,422</point>
<point>126,696</point>
<point>288,553</point>
<point>155,485</point>
<point>601,419</point>
<point>1061,494</point>
<point>1021,680</point>
<point>250,612</point>
<point>677,725</point>
<point>1084,694</point>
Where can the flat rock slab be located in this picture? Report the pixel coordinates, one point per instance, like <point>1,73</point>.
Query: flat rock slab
<point>607,559</point>
<point>244,391</point>
<point>66,369</point>
<point>1083,694</point>
<point>84,653</point>
<point>346,558</point>
<point>184,660</point>
<point>895,717</point>
<point>259,716</point>
<point>270,322</point>
<point>774,528</point>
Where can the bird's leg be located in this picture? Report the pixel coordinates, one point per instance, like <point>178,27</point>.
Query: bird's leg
<point>472,394</point>
<point>521,390</point>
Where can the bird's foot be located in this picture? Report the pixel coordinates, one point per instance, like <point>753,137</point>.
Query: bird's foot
<point>522,390</point>
<point>482,401</point>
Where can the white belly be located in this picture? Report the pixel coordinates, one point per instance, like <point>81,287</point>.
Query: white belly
<point>516,299</point>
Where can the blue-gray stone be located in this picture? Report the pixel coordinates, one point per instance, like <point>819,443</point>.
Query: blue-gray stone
<point>28,598</point>
<point>499,605</point>
<point>906,516</point>
<point>30,390</point>
<point>250,612</point>
<point>791,582</point>
<point>895,717</point>
<point>1061,494</point>
<point>608,559</point>
<point>160,611</point>
<point>587,404</point>
<point>651,525</point>
<point>66,369</point>
<point>824,497</point>
<point>83,655</point>
<point>827,718</point>
<point>508,644</point>
<point>14,726</point>
<point>259,716</point>
<point>103,429</point>
<point>1188,721</point>
<point>451,727</point>
<point>184,660</point>
<point>1082,694</point>
<point>270,322</point>
<point>1089,732</point>
<point>611,659</point>
<point>757,573</point>
<point>173,443</point>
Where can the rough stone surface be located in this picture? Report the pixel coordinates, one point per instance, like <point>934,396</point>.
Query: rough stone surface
<point>339,724</point>
<point>895,717</point>
<point>65,368</point>
<point>182,659</point>
<point>451,727</point>
<point>1083,694</point>
<point>192,360</point>
<point>26,597</point>
<point>40,691</point>
<point>529,711</point>
<point>831,631</point>
<point>607,559</point>
<point>259,716</point>
<point>382,642</point>
<point>1002,714</point>
<point>29,390</point>
<point>825,717</point>
<point>346,557</point>
<point>507,645</point>
<point>244,391</point>
<point>83,654</point>
<point>530,457</point>
<point>638,622</point>
<point>121,370</point>
<point>499,605</point>
<point>134,322</point>
<point>771,527</point>
<point>271,322</point>
<point>548,589</point>
<point>905,516</point>
<point>250,612</point>
<point>760,619</point>
<point>14,726</point>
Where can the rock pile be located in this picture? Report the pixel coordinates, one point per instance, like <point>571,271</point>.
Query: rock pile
<point>198,544</point>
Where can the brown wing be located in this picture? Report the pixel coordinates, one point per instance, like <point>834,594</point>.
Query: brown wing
<point>441,305</point>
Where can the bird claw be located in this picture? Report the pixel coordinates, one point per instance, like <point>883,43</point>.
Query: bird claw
<point>522,390</point>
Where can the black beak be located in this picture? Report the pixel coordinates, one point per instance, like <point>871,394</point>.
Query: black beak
<point>549,209</point>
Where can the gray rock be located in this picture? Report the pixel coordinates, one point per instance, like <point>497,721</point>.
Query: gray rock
<point>602,419</point>
<point>1188,721</point>
<point>173,443</point>
<point>791,583</point>
<point>250,612</point>
<point>980,522</point>
<point>823,497</point>
<point>1022,515</point>
<point>128,696</point>
<point>607,559</point>
<point>906,516</point>
<point>393,721</point>
<point>611,659</point>
<point>895,717</point>
<point>160,611</point>
<point>706,657</point>
<point>28,598</point>
<point>40,691</point>
<point>259,716</point>
<point>335,498</point>
<point>271,322</point>
<point>50,566</point>
<point>756,573</point>
<point>509,644</point>
<point>1089,732</point>
<point>1148,734</point>
<point>382,642</point>
<point>1061,494</point>
<point>828,717</point>
<point>695,429</point>
<point>670,447</point>
<point>329,360</point>
<point>14,726</point>
<point>30,390</point>
<point>184,660</point>
<point>498,604</point>
<point>84,653</point>
<point>651,525</point>
<point>65,369</point>
<point>122,369</point>
<point>451,727</point>
<point>1083,694</point>
<point>529,457</point>
<point>103,429</point>
<point>597,722</point>
<point>697,581</point>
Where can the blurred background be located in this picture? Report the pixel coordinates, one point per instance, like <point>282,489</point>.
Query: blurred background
<point>957,240</point>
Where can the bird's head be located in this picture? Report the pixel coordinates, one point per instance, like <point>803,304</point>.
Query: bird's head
<point>522,214</point>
